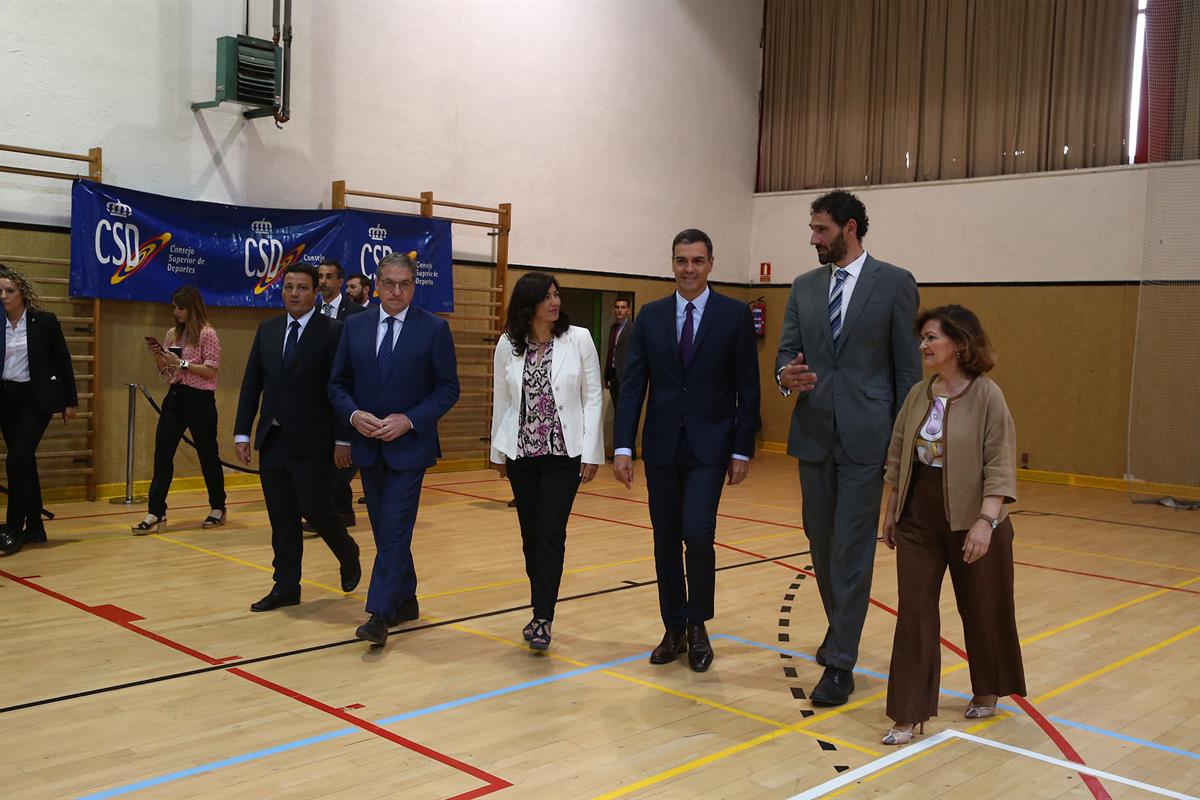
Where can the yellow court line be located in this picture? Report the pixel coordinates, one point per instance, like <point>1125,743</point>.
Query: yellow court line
<point>682,768</point>
<point>1117,664</point>
<point>916,756</point>
<point>252,565</point>
<point>1106,556</point>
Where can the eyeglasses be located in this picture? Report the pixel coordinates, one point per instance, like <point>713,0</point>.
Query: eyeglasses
<point>386,285</point>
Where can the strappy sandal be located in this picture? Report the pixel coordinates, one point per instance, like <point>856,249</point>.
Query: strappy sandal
<point>527,631</point>
<point>540,638</point>
<point>897,737</point>
<point>215,519</point>
<point>151,524</point>
<point>976,711</point>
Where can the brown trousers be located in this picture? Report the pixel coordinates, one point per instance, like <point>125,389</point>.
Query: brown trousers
<point>925,546</point>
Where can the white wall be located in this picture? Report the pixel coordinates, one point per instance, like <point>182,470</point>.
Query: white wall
<point>608,124</point>
<point>1085,225</point>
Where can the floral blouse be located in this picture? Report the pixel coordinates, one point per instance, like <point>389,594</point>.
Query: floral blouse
<point>540,432</point>
<point>206,352</point>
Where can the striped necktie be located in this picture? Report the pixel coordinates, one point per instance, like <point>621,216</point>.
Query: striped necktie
<point>835,305</point>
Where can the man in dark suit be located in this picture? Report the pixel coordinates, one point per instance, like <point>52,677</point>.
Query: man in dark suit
<point>332,304</point>
<point>695,351</point>
<point>848,349</point>
<point>395,376</point>
<point>288,369</point>
<point>618,348</point>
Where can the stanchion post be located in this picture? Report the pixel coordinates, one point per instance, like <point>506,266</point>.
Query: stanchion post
<point>129,499</point>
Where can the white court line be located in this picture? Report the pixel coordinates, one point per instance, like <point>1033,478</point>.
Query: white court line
<point>909,751</point>
<point>872,766</point>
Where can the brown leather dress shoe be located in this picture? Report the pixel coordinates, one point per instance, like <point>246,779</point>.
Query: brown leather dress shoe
<point>674,642</point>
<point>700,652</point>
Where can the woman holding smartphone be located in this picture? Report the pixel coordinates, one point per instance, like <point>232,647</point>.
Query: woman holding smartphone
<point>38,383</point>
<point>188,358</point>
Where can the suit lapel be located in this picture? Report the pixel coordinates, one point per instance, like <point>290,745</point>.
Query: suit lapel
<point>274,341</point>
<point>709,318</point>
<point>401,339</point>
<point>868,279</point>
<point>820,308</point>
<point>669,334</point>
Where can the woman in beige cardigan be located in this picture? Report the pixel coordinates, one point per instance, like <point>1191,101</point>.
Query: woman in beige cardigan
<point>951,470</point>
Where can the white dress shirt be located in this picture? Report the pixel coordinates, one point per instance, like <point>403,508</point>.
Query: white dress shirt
<point>854,268</point>
<point>16,350</point>
<point>333,304</point>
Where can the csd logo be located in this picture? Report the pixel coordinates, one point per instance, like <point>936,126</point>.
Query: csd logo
<point>371,254</point>
<point>119,243</point>
<point>274,270</point>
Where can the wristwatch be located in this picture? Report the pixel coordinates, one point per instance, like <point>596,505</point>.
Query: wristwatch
<point>183,364</point>
<point>993,521</point>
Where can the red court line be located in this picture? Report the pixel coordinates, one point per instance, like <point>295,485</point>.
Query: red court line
<point>1097,789</point>
<point>106,612</point>
<point>1106,577</point>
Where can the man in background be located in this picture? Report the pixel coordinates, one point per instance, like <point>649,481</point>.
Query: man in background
<point>358,290</point>
<point>618,346</point>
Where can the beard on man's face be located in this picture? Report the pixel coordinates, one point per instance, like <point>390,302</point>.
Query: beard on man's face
<point>836,250</point>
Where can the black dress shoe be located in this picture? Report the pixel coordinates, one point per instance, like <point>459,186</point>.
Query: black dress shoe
<point>273,601</point>
<point>35,538</point>
<point>307,527</point>
<point>408,611</point>
<point>10,544</point>
<point>834,688</point>
<point>351,575</point>
<point>375,630</point>
<point>700,652</point>
<point>673,643</point>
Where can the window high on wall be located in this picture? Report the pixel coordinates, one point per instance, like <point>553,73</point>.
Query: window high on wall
<point>898,92</point>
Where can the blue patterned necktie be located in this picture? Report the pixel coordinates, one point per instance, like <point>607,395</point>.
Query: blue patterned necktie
<point>289,344</point>
<point>835,305</point>
<point>687,335</point>
<point>384,355</point>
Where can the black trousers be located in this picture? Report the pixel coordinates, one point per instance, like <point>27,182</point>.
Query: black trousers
<point>544,488</point>
<point>343,494</point>
<point>684,497</point>
<point>22,423</point>
<point>193,410</point>
<point>295,486</point>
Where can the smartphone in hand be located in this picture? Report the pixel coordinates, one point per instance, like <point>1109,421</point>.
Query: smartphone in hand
<point>154,344</point>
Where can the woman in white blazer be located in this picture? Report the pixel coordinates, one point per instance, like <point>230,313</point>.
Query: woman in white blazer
<point>546,431</point>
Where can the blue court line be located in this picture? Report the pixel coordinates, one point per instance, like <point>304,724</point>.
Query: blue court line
<point>1083,726</point>
<point>213,766</point>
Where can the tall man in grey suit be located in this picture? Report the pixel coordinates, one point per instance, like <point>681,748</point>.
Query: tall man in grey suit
<point>848,350</point>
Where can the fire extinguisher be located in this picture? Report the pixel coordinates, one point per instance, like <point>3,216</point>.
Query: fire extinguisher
<point>758,313</point>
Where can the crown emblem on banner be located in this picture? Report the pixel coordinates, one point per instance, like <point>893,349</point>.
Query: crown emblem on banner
<point>262,227</point>
<point>378,233</point>
<point>119,209</point>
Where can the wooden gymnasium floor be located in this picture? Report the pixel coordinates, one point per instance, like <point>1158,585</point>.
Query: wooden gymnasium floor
<point>132,667</point>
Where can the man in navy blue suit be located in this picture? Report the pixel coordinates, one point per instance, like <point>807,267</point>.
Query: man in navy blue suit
<point>695,352</point>
<point>394,377</point>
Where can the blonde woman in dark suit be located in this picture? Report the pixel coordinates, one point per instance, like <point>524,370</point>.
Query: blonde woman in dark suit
<point>546,431</point>
<point>39,382</point>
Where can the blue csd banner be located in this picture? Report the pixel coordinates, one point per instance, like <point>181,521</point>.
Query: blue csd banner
<point>130,245</point>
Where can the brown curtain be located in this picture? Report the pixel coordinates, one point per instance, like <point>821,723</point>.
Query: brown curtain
<point>888,91</point>
<point>1173,84</point>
